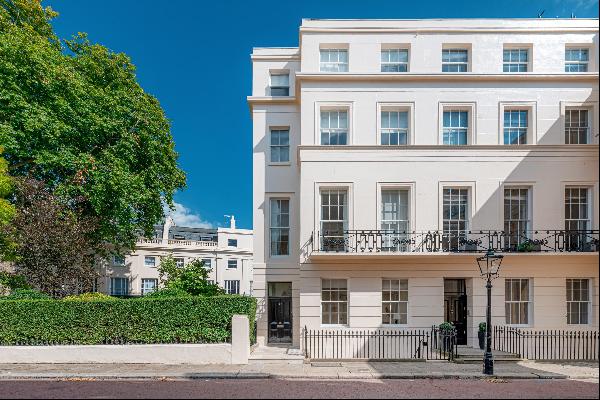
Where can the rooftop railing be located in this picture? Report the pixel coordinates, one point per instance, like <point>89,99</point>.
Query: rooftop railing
<point>476,241</point>
<point>177,242</point>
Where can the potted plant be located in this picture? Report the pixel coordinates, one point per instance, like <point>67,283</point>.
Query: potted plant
<point>481,335</point>
<point>529,245</point>
<point>468,245</point>
<point>447,331</point>
<point>592,245</point>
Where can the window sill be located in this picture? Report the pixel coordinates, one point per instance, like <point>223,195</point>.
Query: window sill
<point>279,164</point>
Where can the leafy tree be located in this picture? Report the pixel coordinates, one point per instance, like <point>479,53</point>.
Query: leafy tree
<point>73,115</point>
<point>191,278</point>
<point>54,251</point>
<point>7,210</point>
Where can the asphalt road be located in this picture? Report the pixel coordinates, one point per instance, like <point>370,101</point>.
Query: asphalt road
<point>287,389</point>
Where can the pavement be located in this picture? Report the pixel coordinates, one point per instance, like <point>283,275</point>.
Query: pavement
<point>293,370</point>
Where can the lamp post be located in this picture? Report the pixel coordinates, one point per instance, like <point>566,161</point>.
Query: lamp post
<point>489,267</point>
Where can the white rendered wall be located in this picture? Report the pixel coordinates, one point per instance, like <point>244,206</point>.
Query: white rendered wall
<point>546,165</point>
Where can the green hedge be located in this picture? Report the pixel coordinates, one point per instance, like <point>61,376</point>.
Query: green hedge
<point>143,320</point>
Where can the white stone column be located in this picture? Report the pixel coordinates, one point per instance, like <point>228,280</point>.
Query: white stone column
<point>240,339</point>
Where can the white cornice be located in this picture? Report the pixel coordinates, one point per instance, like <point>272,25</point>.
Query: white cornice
<point>407,76</point>
<point>357,153</point>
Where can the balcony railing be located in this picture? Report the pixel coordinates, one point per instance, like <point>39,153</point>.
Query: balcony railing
<point>180,243</point>
<point>382,241</point>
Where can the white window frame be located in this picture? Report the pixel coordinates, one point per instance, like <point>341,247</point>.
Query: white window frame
<point>408,107</point>
<point>271,86</point>
<point>271,145</point>
<point>121,279</point>
<point>472,204</point>
<point>230,263</point>
<point>210,260</point>
<point>593,123</point>
<point>588,301</point>
<point>531,107</point>
<point>341,67</point>
<point>146,264</point>
<point>228,285</point>
<point>590,204</point>
<point>588,127</point>
<point>456,47</point>
<point>179,262</point>
<point>347,302</point>
<point>529,206</point>
<point>529,301</point>
<point>229,241</point>
<point>333,106</point>
<point>143,289</point>
<point>521,128</point>
<point>116,263</point>
<point>454,241</point>
<point>337,130</point>
<point>518,47</point>
<point>387,242</point>
<point>399,48</point>
<point>271,227</point>
<point>399,301</point>
<point>345,221</point>
<point>587,63</point>
<point>471,108</point>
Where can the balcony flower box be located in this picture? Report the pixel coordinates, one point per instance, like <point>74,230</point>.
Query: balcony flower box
<point>529,246</point>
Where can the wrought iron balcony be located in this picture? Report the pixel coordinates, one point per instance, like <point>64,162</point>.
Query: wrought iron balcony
<point>381,241</point>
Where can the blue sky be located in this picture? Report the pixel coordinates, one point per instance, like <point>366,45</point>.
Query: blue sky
<point>194,56</point>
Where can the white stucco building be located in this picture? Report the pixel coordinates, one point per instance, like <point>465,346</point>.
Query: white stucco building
<point>226,251</point>
<point>389,154</point>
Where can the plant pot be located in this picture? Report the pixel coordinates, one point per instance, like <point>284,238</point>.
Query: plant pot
<point>481,337</point>
<point>468,247</point>
<point>590,247</point>
<point>446,342</point>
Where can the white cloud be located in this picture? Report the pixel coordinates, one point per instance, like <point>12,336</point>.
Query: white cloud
<point>183,216</point>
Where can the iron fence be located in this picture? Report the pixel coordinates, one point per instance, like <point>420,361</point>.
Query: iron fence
<point>381,344</point>
<point>374,241</point>
<point>547,344</point>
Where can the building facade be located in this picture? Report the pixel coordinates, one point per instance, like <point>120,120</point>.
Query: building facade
<point>389,154</point>
<point>226,251</point>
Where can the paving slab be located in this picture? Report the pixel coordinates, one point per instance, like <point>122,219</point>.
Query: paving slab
<point>285,370</point>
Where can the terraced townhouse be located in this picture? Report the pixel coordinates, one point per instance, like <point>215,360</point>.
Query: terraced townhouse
<point>227,252</point>
<point>389,154</point>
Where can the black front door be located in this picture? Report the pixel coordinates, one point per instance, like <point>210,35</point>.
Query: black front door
<point>455,307</point>
<point>280,312</point>
<point>280,319</point>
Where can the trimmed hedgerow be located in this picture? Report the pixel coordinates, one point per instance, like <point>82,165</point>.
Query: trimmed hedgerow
<point>138,321</point>
<point>25,294</point>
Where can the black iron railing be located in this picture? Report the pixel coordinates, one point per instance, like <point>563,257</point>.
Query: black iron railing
<point>381,344</point>
<point>547,344</point>
<point>480,241</point>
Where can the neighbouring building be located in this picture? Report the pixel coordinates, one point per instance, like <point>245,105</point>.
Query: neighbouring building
<point>226,251</point>
<point>389,154</point>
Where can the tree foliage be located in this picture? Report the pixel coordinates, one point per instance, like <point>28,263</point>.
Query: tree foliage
<point>54,251</point>
<point>191,278</point>
<point>73,115</point>
<point>7,210</point>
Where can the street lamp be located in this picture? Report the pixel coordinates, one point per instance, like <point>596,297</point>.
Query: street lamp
<point>489,267</point>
